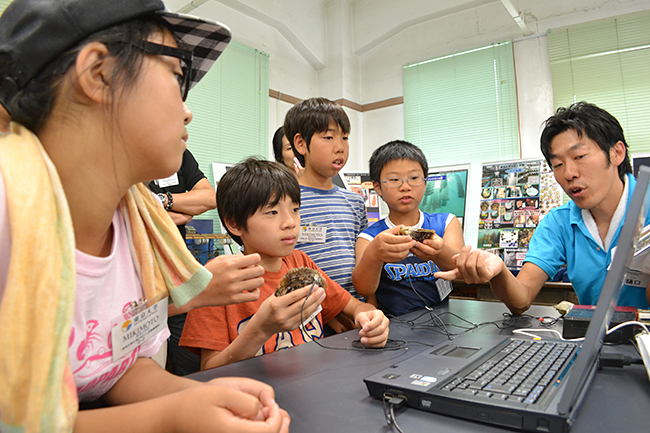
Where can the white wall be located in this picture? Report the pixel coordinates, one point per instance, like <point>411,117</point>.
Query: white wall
<point>355,49</point>
<point>430,35</point>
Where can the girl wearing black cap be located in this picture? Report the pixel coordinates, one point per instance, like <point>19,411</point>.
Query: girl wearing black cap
<point>88,257</point>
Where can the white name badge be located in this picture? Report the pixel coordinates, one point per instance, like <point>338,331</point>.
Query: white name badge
<point>312,234</point>
<point>637,278</point>
<point>137,325</point>
<point>310,318</point>
<point>168,181</point>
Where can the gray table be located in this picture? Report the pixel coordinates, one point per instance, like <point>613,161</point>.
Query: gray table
<point>323,389</point>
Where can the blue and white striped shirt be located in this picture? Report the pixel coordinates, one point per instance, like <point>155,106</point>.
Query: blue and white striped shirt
<point>343,213</point>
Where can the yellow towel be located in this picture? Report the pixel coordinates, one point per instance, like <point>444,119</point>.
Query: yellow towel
<point>37,390</point>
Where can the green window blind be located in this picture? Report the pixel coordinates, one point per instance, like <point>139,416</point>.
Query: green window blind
<point>606,63</point>
<point>462,108</point>
<point>230,111</point>
<point>4,4</point>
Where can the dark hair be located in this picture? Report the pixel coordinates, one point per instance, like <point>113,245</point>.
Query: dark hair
<point>251,185</point>
<point>312,116</point>
<point>277,144</point>
<point>393,150</point>
<point>33,105</point>
<point>592,121</point>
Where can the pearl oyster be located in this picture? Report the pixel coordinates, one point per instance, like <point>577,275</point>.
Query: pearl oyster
<point>300,277</point>
<point>417,234</point>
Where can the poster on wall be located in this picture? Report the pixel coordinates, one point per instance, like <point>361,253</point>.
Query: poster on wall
<point>515,196</point>
<point>362,185</point>
<point>446,192</point>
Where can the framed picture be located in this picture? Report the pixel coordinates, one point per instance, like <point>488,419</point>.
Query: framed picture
<point>446,191</point>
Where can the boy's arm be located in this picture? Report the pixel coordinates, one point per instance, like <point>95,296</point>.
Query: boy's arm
<point>367,271</point>
<point>441,249</point>
<point>276,314</point>
<point>478,267</point>
<point>371,321</point>
<point>386,247</point>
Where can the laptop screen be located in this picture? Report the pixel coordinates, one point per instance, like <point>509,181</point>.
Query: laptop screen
<point>632,239</point>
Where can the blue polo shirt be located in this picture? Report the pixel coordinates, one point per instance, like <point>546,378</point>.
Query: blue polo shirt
<point>563,238</point>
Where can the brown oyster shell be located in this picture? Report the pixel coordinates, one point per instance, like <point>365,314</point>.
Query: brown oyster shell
<point>300,277</point>
<point>417,234</point>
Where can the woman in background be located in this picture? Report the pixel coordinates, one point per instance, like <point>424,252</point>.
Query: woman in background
<point>284,153</point>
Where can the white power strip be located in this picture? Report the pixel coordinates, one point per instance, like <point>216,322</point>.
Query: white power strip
<point>643,340</point>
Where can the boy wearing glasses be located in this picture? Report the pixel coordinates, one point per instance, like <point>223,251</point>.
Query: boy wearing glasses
<point>393,271</point>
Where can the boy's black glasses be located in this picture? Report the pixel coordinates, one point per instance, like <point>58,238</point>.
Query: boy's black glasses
<point>396,182</point>
<point>185,56</point>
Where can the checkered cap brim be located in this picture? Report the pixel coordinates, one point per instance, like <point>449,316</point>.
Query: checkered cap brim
<point>206,39</point>
<point>34,32</point>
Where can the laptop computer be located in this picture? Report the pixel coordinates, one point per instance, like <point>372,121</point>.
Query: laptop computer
<point>455,378</point>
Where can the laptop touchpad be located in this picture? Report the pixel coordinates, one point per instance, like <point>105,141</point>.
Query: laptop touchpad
<point>456,351</point>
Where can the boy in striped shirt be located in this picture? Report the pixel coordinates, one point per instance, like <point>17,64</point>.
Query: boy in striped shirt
<point>331,217</point>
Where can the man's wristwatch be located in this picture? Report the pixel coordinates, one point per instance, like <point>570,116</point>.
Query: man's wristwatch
<point>163,197</point>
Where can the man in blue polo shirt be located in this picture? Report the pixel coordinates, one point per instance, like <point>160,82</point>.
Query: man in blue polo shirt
<point>585,147</point>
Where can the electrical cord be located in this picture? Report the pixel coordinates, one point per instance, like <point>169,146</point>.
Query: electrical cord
<point>434,316</point>
<point>531,331</point>
<point>357,345</point>
<point>389,411</point>
<point>617,360</point>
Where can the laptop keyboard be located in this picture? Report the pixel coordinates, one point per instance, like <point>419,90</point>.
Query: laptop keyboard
<point>520,372</point>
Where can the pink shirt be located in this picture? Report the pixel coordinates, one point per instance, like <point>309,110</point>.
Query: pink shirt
<point>105,286</point>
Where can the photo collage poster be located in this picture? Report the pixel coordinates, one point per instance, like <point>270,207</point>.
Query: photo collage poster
<point>515,196</point>
<point>362,185</point>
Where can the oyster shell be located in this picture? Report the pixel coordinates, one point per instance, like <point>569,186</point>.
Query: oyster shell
<point>417,234</point>
<point>297,278</point>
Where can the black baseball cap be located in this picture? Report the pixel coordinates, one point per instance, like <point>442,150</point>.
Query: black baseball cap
<point>35,32</point>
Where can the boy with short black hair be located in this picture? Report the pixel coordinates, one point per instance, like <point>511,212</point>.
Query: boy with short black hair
<point>259,204</point>
<point>318,130</point>
<point>395,271</point>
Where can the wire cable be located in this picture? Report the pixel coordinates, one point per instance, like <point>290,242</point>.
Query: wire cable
<point>530,332</point>
<point>357,345</point>
<point>389,411</point>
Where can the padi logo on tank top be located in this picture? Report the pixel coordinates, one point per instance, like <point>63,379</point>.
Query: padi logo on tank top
<point>399,271</point>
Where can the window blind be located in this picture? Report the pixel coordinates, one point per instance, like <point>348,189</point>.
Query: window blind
<point>4,4</point>
<point>230,111</point>
<point>606,63</point>
<point>462,108</point>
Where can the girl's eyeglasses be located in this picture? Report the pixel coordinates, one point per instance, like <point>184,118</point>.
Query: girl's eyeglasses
<point>185,57</point>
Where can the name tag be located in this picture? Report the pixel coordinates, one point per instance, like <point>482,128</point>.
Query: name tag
<point>312,234</point>
<point>637,279</point>
<point>168,181</point>
<point>310,318</point>
<point>137,325</point>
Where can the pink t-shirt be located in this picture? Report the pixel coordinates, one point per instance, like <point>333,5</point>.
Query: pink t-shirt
<point>105,287</point>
